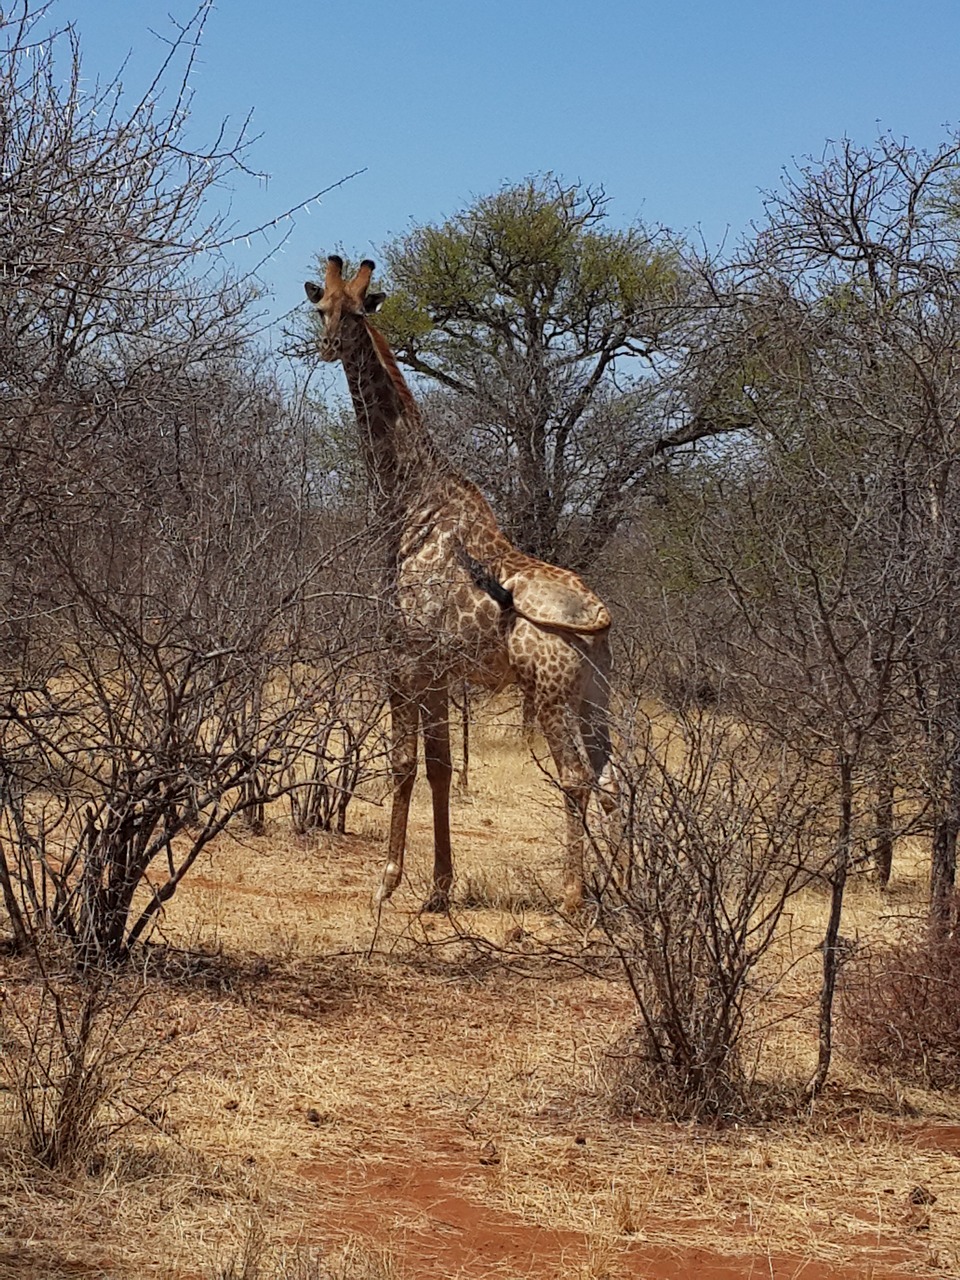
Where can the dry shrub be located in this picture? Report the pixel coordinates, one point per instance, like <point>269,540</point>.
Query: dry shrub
<point>156,531</point>
<point>75,1063</point>
<point>716,838</point>
<point>901,1009</point>
<point>344,750</point>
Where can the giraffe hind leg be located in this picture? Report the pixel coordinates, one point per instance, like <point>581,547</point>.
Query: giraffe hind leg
<point>610,845</point>
<point>575,776</point>
<point>404,717</point>
<point>439,768</point>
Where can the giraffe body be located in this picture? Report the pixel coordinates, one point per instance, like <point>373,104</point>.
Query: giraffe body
<point>463,602</point>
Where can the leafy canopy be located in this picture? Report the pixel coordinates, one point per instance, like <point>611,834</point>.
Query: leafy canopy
<point>528,270</point>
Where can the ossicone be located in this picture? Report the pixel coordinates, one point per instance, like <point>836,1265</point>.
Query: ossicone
<point>361,280</point>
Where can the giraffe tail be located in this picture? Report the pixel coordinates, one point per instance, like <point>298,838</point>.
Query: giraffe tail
<point>595,717</point>
<point>482,578</point>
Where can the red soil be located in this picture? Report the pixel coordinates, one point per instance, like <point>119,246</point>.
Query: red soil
<point>424,1211</point>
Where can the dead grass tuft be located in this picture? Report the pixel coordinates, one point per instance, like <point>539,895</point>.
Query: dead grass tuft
<point>900,1007</point>
<point>254,1258</point>
<point>499,890</point>
<point>355,1259</point>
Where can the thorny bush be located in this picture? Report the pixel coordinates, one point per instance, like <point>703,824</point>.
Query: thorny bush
<point>157,526</point>
<point>900,1008</point>
<point>716,838</point>
<point>78,1062</point>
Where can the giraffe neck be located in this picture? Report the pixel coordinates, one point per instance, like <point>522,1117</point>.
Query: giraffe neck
<point>398,451</point>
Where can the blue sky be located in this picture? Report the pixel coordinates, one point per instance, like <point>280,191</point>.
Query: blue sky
<point>684,110</point>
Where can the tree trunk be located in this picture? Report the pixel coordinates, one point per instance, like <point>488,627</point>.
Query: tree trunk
<point>883,824</point>
<point>464,780</point>
<point>831,950</point>
<point>943,868</point>
<point>946,826</point>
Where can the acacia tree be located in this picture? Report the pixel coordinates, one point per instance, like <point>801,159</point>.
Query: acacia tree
<point>542,333</point>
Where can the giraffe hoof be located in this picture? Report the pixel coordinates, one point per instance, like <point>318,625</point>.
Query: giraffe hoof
<point>437,904</point>
<point>572,902</point>
<point>389,882</point>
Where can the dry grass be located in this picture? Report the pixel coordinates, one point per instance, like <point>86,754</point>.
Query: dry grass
<point>437,1108</point>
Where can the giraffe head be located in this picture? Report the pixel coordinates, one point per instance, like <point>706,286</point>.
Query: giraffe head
<point>342,302</point>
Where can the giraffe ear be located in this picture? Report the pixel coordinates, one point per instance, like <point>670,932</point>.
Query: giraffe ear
<point>374,301</point>
<point>313,292</point>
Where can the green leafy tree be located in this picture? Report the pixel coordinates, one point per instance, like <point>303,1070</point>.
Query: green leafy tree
<point>545,336</point>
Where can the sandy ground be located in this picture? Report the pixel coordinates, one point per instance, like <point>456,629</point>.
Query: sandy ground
<point>322,1094</point>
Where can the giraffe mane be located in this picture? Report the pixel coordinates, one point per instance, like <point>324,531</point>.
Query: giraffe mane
<point>389,362</point>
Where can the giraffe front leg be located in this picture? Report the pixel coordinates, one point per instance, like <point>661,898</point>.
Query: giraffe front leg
<point>439,766</point>
<point>404,717</point>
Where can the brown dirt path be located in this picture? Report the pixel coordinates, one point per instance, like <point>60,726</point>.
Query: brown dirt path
<point>423,1211</point>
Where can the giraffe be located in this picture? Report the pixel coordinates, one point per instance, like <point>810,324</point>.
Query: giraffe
<point>464,602</point>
